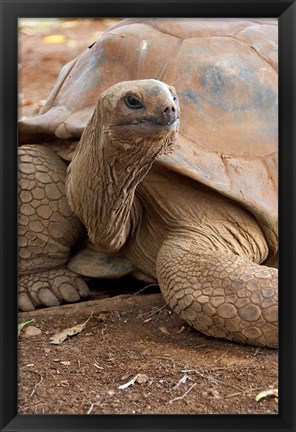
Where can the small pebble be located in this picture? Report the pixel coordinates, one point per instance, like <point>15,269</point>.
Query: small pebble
<point>31,331</point>
<point>142,378</point>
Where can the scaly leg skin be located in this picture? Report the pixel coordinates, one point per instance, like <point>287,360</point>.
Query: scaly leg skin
<point>221,294</point>
<point>47,229</point>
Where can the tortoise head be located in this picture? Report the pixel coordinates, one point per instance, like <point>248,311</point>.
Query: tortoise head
<point>144,101</point>
<point>138,111</point>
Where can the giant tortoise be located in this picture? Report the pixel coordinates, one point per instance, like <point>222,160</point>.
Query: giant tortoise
<point>197,213</point>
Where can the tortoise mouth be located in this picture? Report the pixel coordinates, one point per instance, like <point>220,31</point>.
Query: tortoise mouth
<point>151,123</point>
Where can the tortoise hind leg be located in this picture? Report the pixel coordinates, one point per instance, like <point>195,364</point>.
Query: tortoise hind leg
<point>47,229</point>
<point>220,294</point>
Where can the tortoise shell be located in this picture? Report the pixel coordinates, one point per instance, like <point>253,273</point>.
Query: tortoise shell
<point>225,75</point>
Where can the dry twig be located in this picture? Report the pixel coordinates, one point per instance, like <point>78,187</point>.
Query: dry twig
<point>39,382</point>
<point>90,408</point>
<point>211,380</point>
<point>185,394</point>
<point>181,381</point>
<point>150,314</point>
<point>243,392</point>
<point>145,287</point>
<point>223,355</point>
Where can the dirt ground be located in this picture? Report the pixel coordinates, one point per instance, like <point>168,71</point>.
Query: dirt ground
<point>130,339</point>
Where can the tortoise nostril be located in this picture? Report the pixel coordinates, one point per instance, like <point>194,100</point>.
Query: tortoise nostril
<point>168,108</point>
<point>168,115</point>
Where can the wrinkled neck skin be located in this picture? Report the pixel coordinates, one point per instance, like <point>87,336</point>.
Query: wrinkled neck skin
<point>109,163</point>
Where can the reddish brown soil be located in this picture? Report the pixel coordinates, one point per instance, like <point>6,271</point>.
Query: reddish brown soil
<point>40,61</point>
<point>127,334</point>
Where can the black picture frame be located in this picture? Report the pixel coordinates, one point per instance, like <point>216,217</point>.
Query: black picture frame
<point>10,11</point>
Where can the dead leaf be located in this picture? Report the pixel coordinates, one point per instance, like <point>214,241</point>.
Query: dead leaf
<point>147,320</point>
<point>66,363</point>
<point>103,316</point>
<point>109,21</point>
<point>60,337</point>
<point>164,330</point>
<point>38,23</point>
<point>69,24</point>
<point>55,38</point>
<point>71,43</point>
<point>25,102</point>
<point>267,393</point>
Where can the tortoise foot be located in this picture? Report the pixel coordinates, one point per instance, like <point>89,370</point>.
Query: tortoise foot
<point>50,288</point>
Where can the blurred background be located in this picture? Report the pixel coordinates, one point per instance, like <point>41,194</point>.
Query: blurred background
<point>45,46</point>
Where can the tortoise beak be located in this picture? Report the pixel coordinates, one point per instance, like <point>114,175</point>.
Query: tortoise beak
<point>166,114</point>
<point>169,115</point>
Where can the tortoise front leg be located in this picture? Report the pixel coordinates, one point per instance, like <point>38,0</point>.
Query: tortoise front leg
<point>47,229</point>
<point>220,294</point>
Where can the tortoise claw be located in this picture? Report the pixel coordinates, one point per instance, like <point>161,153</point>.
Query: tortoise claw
<point>24,303</point>
<point>68,293</point>
<point>47,298</point>
<point>81,287</point>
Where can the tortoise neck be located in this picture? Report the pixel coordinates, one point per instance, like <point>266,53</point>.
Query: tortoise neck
<point>102,178</point>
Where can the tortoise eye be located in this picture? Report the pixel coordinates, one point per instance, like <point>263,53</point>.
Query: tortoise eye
<point>133,102</point>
